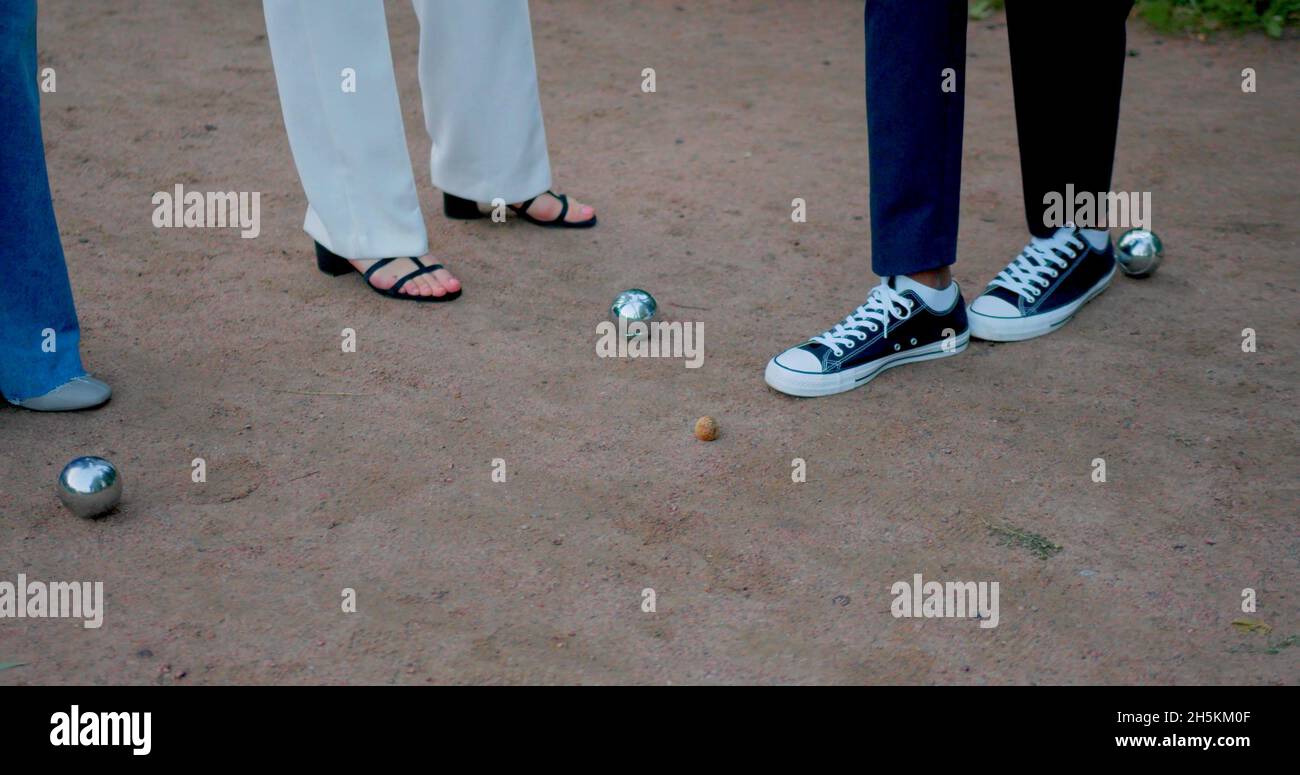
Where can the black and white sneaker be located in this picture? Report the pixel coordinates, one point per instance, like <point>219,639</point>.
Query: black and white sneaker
<point>891,328</point>
<point>1042,288</point>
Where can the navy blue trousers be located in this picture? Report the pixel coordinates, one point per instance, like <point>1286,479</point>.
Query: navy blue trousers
<point>1067,69</point>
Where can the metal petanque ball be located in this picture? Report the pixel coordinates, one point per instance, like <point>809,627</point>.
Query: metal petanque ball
<point>1139,252</point>
<point>90,486</point>
<point>633,305</point>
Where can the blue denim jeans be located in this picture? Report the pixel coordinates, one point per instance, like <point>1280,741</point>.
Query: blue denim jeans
<point>39,336</point>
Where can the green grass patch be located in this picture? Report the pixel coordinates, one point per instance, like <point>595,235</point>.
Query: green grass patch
<point>1203,16</point>
<point>1037,545</point>
<point>1271,17</point>
<point>983,9</point>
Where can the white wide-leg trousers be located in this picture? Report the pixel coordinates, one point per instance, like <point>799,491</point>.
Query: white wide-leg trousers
<point>478,79</point>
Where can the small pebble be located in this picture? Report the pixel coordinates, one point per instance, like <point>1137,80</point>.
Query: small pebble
<point>706,429</point>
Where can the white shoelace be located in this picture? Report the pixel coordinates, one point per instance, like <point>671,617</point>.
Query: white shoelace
<point>880,307</point>
<point>1032,271</point>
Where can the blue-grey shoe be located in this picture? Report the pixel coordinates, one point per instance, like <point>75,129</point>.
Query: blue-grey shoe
<point>77,393</point>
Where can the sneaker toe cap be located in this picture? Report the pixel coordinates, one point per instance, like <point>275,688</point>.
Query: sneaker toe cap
<point>994,307</point>
<point>799,359</point>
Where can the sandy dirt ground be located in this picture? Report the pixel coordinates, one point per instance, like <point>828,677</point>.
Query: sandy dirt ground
<point>229,350</point>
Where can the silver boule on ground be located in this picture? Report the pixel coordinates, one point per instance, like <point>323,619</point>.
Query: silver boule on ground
<point>1139,252</point>
<point>90,486</point>
<point>633,306</point>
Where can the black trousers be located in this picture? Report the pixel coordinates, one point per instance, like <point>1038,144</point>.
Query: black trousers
<point>1067,69</point>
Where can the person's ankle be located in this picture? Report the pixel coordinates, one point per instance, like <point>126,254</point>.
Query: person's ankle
<point>934,278</point>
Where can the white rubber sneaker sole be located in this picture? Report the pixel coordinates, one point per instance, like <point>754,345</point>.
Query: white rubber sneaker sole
<point>805,385</point>
<point>996,329</point>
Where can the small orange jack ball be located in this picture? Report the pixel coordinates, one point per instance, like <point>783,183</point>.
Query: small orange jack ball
<point>706,429</point>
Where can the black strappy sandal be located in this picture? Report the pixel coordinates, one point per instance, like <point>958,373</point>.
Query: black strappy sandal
<point>467,210</point>
<point>335,265</point>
